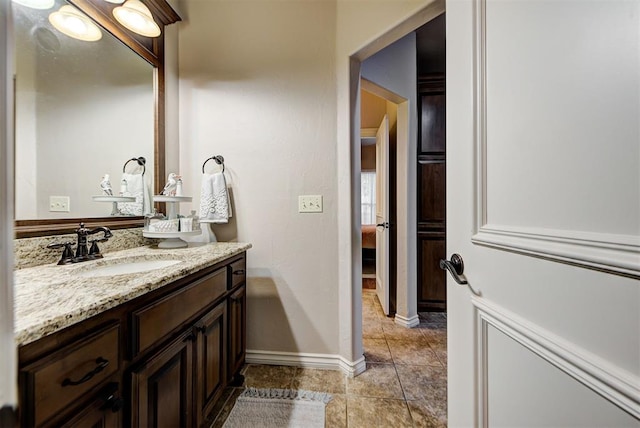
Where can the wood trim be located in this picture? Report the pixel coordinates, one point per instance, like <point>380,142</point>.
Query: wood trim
<point>159,125</point>
<point>162,11</point>
<point>612,383</point>
<point>151,50</point>
<point>48,227</point>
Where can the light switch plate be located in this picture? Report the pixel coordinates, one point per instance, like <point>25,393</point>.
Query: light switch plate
<point>310,203</point>
<point>59,204</point>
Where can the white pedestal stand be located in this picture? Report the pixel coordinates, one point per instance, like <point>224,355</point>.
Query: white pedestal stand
<point>114,200</point>
<point>171,239</point>
<point>207,231</point>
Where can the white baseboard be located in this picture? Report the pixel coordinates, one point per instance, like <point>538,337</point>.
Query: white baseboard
<point>314,361</point>
<point>407,322</point>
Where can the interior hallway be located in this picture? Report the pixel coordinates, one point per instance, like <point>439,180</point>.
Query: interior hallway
<point>405,384</point>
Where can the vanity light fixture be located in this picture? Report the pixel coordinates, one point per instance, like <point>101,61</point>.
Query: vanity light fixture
<point>135,16</point>
<point>115,1</point>
<point>36,4</point>
<point>70,21</point>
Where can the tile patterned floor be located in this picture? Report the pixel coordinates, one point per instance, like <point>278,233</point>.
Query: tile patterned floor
<point>405,384</point>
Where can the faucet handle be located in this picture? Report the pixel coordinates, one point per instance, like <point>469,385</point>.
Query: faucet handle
<point>67,253</point>
<point>94,251</point>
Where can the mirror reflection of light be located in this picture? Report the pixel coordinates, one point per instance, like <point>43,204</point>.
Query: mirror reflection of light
<point>133,19</point>
<point>36,4</point>
<point>70,21</point>
<point>75,24</point>
<point>135,16</point>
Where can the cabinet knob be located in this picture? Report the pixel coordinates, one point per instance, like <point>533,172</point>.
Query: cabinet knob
<point>115,404</point>
<point>238,272</point>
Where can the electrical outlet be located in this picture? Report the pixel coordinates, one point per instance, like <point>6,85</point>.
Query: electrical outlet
<point>310,203</point>
<point>59,204</point>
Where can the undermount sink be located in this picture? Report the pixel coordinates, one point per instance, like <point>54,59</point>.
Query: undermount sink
<point>126,268</point>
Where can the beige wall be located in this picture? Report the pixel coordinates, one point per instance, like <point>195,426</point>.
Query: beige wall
<point>258,82</point>
<point>257,85</point>
<point>373,110</point>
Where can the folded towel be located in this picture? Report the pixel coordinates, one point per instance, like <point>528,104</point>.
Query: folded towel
<point>138,188</point>
<point>215,204</point>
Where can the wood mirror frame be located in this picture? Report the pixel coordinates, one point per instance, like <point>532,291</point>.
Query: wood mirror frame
<point>152,50</point>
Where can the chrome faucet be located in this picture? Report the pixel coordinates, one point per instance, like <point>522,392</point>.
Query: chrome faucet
<point>83,253</point>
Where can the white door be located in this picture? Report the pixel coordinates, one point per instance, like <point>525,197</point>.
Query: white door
<point>543,205</point>
<point>382,214</point>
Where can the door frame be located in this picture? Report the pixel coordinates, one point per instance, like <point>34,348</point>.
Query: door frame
<point>397,287</point>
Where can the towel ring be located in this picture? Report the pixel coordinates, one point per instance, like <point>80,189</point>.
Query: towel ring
<point>141,161</point>
<point>218,159</point>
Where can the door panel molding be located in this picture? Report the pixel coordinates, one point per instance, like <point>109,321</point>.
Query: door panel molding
<point>612,253</point>
<point>614,384</point>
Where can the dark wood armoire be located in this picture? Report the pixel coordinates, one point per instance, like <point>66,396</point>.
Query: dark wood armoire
<point>432,166</point>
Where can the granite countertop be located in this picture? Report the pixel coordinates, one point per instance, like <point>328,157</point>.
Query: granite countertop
<point>49,298</point>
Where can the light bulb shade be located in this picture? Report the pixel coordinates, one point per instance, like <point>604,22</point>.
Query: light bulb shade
<point>135,16</point>
<point>70,21</point>
<point>36,4</point>
<point>115,1</point>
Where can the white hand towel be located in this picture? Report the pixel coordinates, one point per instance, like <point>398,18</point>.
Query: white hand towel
<point>215,204</point>
<point>138,188</point>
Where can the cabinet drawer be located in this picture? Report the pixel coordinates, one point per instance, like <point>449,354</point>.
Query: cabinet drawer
<point>154,322</point>
<point>56,382</point>
<point>238,272</point>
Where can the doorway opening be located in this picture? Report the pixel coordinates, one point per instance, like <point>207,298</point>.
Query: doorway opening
<point>418,222</point>
<point>382,114</point>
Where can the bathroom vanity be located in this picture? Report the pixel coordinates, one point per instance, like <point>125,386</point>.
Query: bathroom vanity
<point>99,347</point>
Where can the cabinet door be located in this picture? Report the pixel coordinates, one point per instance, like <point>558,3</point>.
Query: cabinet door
<point>210,376</point>
<point>162,389</point>
<point>104,412</point>
<point>237,330</point>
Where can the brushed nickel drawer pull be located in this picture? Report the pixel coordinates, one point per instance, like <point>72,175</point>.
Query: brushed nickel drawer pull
<point>238,272</point>
<point>101,364</point>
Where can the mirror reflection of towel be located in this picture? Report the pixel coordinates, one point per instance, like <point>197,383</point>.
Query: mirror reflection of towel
<point>136,187</point>
<point>214,198</point>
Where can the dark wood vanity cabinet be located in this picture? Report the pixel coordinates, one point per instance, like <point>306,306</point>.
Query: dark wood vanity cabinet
<point>162,359</point>
<point>211,359</point>
<point>161,388</point>
<point>237,331</point>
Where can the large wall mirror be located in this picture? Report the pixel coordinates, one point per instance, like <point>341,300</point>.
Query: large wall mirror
<point>83,109</point>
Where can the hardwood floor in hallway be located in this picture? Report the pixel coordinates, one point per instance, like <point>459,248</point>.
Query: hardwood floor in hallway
<point>405,384</point>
